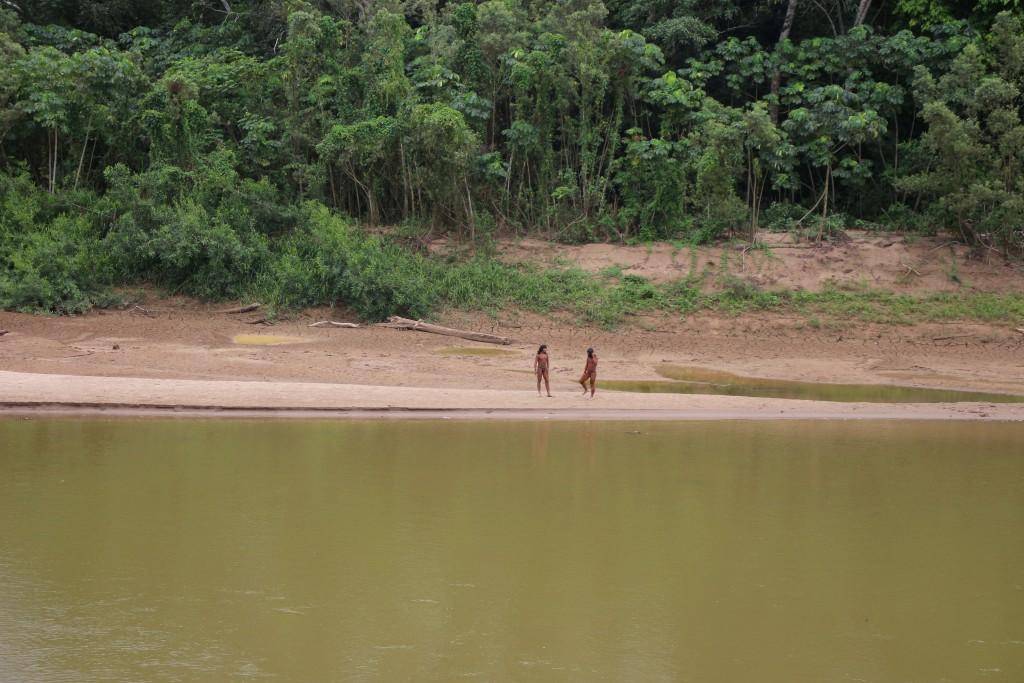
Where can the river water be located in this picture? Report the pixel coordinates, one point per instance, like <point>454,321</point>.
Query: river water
<point>191,550</point>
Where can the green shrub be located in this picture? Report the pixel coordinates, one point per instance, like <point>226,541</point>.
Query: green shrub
<point>58,266</point>
<point>189,251</point>
<point>49,260</point>
<point>327,261</point>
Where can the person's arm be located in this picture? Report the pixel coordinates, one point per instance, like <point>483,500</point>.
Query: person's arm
<point>536,362</point>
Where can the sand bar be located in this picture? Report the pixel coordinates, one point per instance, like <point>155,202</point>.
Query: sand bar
<point>24,393</point>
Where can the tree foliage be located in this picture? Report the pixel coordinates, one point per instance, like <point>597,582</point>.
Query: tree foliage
<point>184,139</point>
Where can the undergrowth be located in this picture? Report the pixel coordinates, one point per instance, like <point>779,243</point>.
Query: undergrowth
<point>51,261</point>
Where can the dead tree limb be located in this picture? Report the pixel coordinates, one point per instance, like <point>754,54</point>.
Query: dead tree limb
<point>332,323</point>
<point>258,321</point>
<point>3,332</point>
<point>911,270</point>
<point>398,323</point>
<point>240,309</point>
<point>1016,329</point>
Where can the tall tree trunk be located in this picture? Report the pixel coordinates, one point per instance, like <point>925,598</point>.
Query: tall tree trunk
<point>81,158</point>
<point>53,162</point>
<point>862,12</point>
<point>787,25</point>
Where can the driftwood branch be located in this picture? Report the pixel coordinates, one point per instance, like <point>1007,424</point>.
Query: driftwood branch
<point>3,332</point>
<point>258,321</point>
<point>952,336</point>
<point>143,311</point>
<point>1016,329</point>
<point>398,323</point>
<point>332,323</point>
<point>240,309</point>
<point>911,270</point>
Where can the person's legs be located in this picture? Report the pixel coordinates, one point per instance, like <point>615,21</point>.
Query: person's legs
<point>583,383</point>
<point>538,382</point>
<point>593,381</point>
<point>547,383</point>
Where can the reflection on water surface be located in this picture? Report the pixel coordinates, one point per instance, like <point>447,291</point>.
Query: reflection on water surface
<point>317,551</point>
<point>685,380</point>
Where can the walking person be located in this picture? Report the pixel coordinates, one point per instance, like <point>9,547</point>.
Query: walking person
<point>589,373</point>
<point>540,368</point>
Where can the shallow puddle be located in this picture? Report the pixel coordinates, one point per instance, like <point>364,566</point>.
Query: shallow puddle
<point>474,351</point>
<point>688,380</point>
<point>265,340</point>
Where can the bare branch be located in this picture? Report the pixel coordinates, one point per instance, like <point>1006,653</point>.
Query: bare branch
<point>332,323</point>
<point>240,309</point>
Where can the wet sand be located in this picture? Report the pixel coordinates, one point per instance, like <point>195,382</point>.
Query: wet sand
<point>26,393</point>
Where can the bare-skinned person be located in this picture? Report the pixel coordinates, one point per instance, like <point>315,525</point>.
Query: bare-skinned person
<point>589,373</point>
<point>541,363</point>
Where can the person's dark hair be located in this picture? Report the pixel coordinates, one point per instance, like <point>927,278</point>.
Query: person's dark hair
<point>590,353</point>
<point>542,349</point>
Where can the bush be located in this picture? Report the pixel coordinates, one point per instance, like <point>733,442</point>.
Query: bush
<point>782,216</point>
<point>49,261</point>
<point>189,251</point>
<point>57,266</point>
<point>327,261</point>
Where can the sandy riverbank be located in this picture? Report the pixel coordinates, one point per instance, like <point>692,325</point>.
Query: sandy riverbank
<point>175,352</point>
<point>31,393</point>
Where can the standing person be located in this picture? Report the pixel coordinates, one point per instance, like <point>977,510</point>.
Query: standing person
<point>540,367</point>
<point>589,372</point>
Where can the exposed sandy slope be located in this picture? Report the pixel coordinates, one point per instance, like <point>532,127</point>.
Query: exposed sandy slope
<point>877,260</point>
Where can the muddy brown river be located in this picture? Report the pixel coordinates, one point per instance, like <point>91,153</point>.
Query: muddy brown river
<point>298,551</point>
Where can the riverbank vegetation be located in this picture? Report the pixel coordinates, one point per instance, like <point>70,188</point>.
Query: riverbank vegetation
<point>233,148</point>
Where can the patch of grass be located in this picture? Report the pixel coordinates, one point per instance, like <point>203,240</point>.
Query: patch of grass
<point>611,272</point>
<point>954,269</point>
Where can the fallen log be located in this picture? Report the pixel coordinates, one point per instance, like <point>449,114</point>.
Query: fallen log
<point>240,309</point>
<point>332,323</point>
<point>1019,329</point>
<point>3,332</point>
<point>259,321</point>
<point>397,323</point>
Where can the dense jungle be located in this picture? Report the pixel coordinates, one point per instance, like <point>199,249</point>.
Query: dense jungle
<point>305,152</point>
